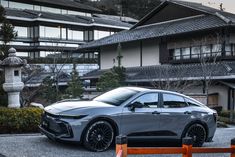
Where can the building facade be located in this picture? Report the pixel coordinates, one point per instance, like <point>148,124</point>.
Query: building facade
<point>48,32</point>
<point>176,42</point>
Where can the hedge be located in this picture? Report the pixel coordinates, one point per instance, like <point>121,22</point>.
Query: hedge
<point>24,120</point>
<point>226,114</point>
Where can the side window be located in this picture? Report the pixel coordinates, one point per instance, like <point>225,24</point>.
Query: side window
<point>173,101</point>
<point>148,100</point>
<point>192,103</point>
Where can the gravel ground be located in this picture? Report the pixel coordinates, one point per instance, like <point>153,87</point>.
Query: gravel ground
<point>37,145</point>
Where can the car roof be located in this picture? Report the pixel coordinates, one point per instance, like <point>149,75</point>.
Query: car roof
<point>141,89</point>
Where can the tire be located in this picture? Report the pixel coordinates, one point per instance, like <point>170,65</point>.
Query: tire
<point>98,136</point>
<point>198,134</point>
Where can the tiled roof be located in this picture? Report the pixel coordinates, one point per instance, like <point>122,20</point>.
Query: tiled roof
<point>210,18</point>
<point>34,15</point>
<point>38,79</point>
<point>159,30</point>
<point>171,72</point>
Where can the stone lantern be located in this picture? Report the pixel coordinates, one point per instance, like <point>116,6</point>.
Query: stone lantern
<point>13,85</point>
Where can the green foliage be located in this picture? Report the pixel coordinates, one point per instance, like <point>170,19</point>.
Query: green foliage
<point>3,94</point>
<point>111,79</point>
<point>25,120</point>
<point>74,89</point>
<point>2,14</point>
<point>226,114</point>
<point>7,32</point>
<point>108,81</point>
<point>120,71</point>
<point>131,8</point>
<point>48,90</point>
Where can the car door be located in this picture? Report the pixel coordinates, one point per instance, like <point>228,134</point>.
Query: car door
<point>175,115</point>
<point>142,122</point>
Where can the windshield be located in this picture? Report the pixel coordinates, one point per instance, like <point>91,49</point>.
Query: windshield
<point>117,96</point>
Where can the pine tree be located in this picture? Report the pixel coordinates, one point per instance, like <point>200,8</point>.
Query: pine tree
<point>7,33</point>
<point>74,89</point>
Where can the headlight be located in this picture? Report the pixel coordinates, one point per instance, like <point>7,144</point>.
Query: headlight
<point>72,116</point>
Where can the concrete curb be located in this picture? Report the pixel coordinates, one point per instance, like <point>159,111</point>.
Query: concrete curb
<point>11,135</point>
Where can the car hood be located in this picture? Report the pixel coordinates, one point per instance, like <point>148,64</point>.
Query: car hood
<point>61,107</point>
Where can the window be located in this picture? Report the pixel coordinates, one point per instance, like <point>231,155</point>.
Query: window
<point>206,51</point>
<point>20,5</point>
<point>75,35</point>
<point>173,101</point>
<point>193,103</point>
<point>22,54</point>
<point>52,10</point>
<point>216,50</point>
<point>49,32</point>
<point>64,11</point>
<point>100,34</point>
<point>148,100</point>
<point>228,50</point>
<point>185,53</point>
<point>177,54</point>
<point>37,7</point>
<point>21,31</point>
<point>76,13</point>
<point>195,52</point>
<point>5,3</point>
<point>63,33</point>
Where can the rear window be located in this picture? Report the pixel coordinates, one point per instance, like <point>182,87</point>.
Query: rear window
<point>173,101</point>
<point>191,102</point>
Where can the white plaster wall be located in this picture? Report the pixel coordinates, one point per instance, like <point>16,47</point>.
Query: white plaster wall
<point>220,89</point>
<point>131,54</point>
<point>150,52</point>
<point>129,51</point>
<point>107,54</point>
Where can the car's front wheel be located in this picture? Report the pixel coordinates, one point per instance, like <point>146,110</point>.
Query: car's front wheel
<point>198,134</point>
<point>99,136</point>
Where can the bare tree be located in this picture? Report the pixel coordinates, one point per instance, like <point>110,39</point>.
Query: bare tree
<point>168,77</point>
<point>209,61</point>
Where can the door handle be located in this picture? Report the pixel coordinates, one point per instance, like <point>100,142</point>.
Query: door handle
<point>155,112</point>
<point>187,112</point>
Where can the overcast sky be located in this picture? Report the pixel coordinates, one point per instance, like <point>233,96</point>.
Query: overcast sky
<point>229,5</point>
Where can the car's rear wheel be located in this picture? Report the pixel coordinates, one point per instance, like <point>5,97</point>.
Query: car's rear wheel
<point>198,134</point>
<point>99,136</point>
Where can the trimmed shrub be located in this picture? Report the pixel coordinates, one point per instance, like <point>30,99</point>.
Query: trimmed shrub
<point>226,114</point>
<point>24,120</point>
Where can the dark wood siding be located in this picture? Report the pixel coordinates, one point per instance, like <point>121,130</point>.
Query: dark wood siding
<point>164,52</point>
<point>172,12</point>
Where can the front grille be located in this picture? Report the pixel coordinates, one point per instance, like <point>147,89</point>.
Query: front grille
<point>56,126</point>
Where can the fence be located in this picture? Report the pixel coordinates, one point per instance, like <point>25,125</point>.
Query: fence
<point>122,150</point>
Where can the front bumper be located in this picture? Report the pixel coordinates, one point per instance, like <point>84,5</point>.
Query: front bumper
<point>55,128</point>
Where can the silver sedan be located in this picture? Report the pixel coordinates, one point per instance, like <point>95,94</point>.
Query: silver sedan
<point>139,113</point>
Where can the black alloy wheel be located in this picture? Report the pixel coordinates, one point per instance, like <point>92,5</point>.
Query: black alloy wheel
<point>198,133</point>
<point>99,136</point>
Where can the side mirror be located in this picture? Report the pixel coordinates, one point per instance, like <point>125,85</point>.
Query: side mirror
<point>134,105</point>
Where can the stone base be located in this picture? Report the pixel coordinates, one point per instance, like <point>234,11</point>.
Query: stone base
<point>14,100</point>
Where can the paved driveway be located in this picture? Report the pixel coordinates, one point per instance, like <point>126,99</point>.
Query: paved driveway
<point>40,146</point>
